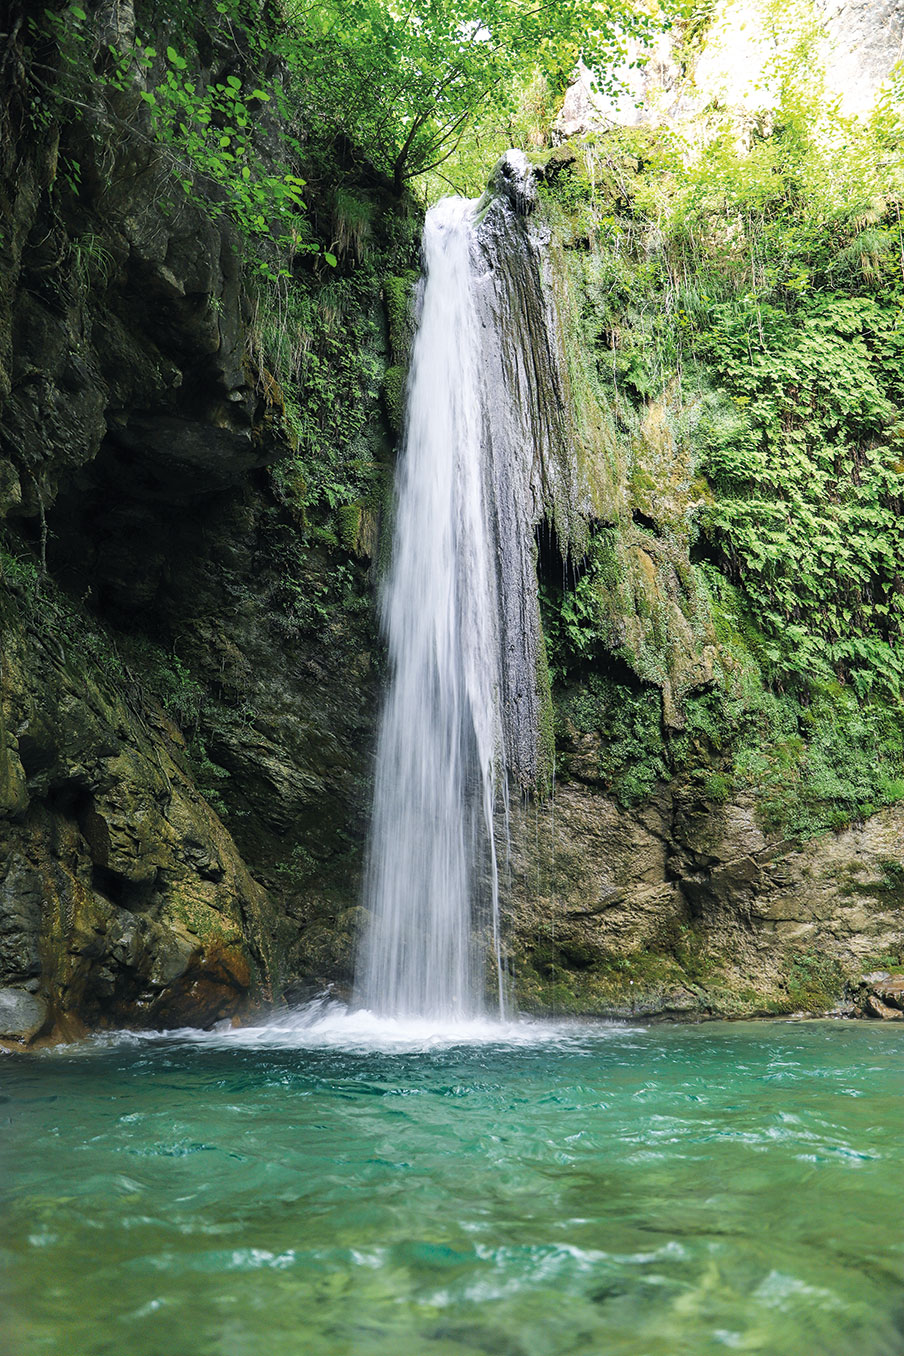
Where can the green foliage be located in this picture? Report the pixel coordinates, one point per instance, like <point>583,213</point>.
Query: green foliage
<point>813,982</point>
<point>406,83</point>
<point>809,481</point>
<point>310,591</point>
<point>207,128</point>
<point>326,344</point>
<point>625,724</point>
<point>168,679</point>
<point>768,281</point>
<point>819,766</point>
<point>212,130</point>
<point>398,291</point>
<point>66,627</point>
<point>20,573</point>
<point>207,775</point>
<point>394,382</point>
<point>757,294</point>
<point>153,672</point>
<point>813,761</point>
<point>92,263</point>
<point>578,620</point>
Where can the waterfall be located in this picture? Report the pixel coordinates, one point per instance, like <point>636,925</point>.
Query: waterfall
<point>440,734</point>
<point>459,608</point>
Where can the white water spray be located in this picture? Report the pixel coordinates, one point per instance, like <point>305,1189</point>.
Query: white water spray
<point>432,882</point>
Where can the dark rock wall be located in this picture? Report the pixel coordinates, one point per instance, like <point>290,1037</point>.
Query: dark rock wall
<point>187,696</point>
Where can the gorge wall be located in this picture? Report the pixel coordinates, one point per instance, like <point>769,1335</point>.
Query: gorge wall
<point>194,476</point>
<point>188,668</point>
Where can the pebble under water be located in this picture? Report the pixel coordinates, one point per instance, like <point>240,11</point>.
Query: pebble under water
<point>332,1185</point>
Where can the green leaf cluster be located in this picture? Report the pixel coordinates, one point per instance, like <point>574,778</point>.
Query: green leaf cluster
<point>808,474</point>
<point>408,83</point>
<point>766,285</point>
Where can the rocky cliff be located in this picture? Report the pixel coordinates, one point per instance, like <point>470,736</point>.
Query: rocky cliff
<point>194,466</point>
<point>726,832</point>
<point>188,680</point>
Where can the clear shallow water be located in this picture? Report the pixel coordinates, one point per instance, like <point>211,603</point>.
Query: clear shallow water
<point>378,1190</point>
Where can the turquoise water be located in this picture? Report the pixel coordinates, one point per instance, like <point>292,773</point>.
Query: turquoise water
<point>338,1189</point>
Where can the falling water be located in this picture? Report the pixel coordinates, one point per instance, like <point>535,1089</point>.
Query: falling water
<point>489,450</point>
<point>432,880</point>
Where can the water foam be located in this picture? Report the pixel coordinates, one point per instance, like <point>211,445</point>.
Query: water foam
<point>328,1024</point>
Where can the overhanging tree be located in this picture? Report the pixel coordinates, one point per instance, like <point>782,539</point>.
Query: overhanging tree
<point>406,80</point>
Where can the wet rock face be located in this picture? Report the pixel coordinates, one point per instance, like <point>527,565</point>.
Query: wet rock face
<point>530,440</point>
<point>626,909</point>
<point>122,897</point>
<point>133,430</point>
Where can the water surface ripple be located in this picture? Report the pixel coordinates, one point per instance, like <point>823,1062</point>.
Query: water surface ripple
<point>332,1185</point>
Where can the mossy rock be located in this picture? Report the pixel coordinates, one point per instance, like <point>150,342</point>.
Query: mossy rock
<point>394,396</point>
<point>398,297</point>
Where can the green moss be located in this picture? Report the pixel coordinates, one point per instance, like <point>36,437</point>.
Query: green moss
<point>814,983</point>
<point>570,979</point>
<point>398,291</point>
<point>814,758</point>
<point>204,922</point>
<point>394,382</point>
<point>683,977</point>
<point>882,960</point>
<point>626,723</point>
<point>717,787</point>
<point>893,876</point>
<point>817,766</point>
<point>349,517</point>
<point>546,734</point>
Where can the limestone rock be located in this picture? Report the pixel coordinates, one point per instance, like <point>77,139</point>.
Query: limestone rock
<point>619,906</point>
<point>876,1008</point>
<point>22,1014</point>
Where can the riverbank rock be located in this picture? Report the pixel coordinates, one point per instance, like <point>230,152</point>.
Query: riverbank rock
<point>23,1015</point>
<point>874,1007</point>
<point>879,995</point>
<point>621,909</point>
